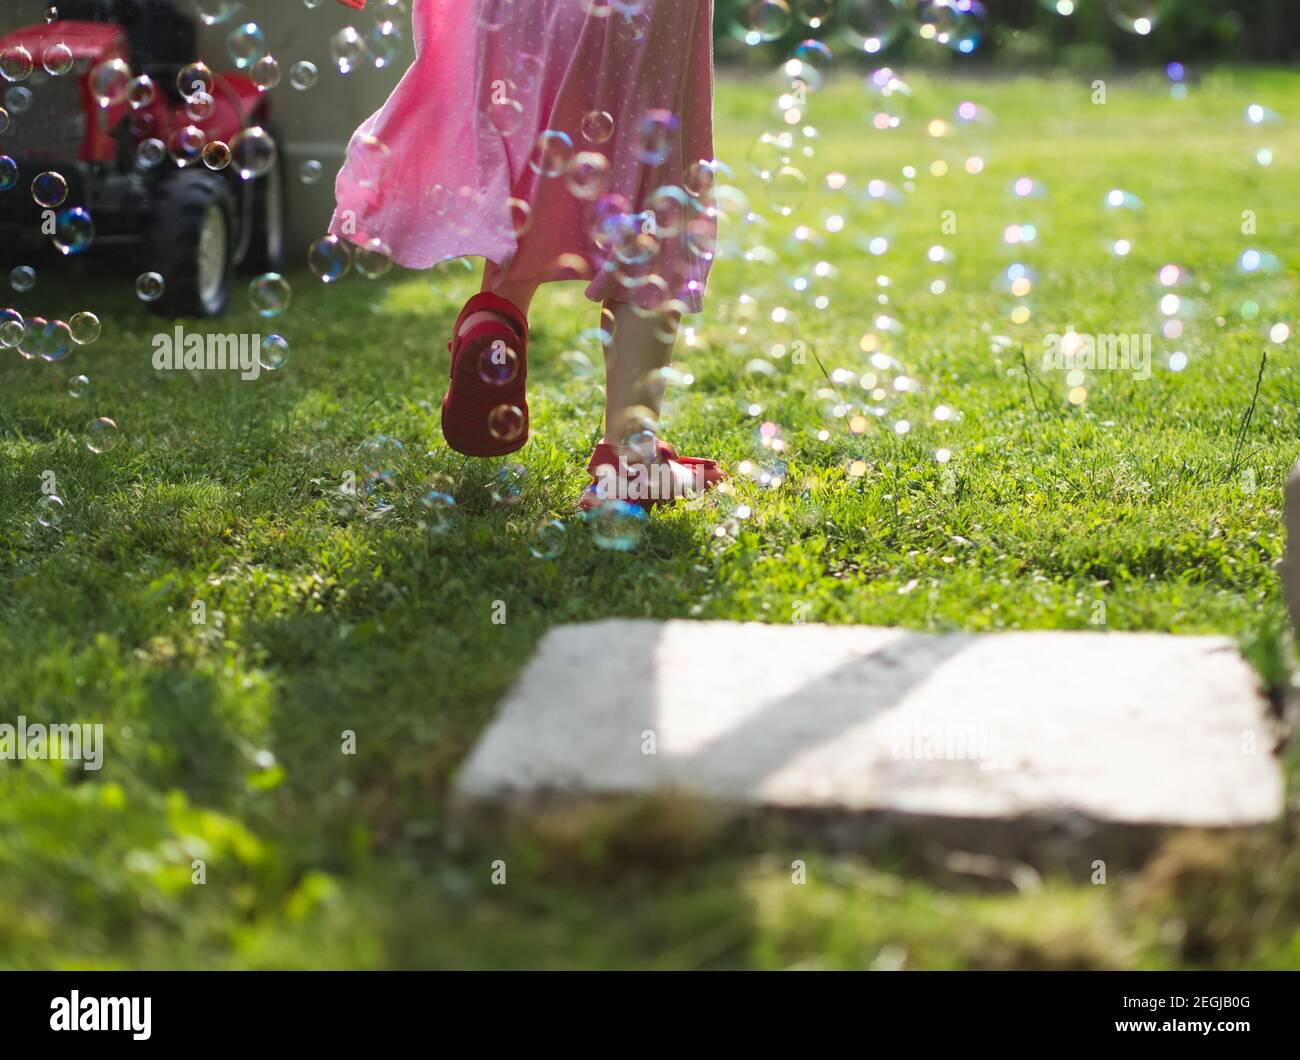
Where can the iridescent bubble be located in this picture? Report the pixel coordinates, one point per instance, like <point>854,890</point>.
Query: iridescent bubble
<point>384,43</point>
<point>551,153</point>
<point>508,486</point>
<point>84,328</point>
<point>150,153</point>
<point>4,121</point>
<point>787,189</point>
<point>809,63</point>
<point>8,173</point>
<point>18,98</point>
<point>101,435</point>
<point>57,59</point>
<point>616,525</point>
<point>274,353</point>
<point>149,286</point>
<point>33,339</point>
<point>1135,16</point>
<point>498,364</point>
<point>597,126</point>
<point>49,512</point>
<point>871,25</point>
<point>813,13</point>
<point>373,260</point>
<point>505,423</point>
<point>439,507</point>
<point>11,334</point>
<point>78,386</point>
<point>215,12</point>
<point>330,258</point>
<point>760,21</point>
<point>49,190</point>
<point>310,171</point>
<point>195,80</point>
<point>246,45</point>
<point>303,75</point>
<point>110,82</point>
<point>186,144</point>
<point>254,152</point>
<point>141,92</point>
<point>349,49</point>
<point>270,294</point>
<point>548,540</point>
<point>16,63</point>
<point>587,175</point>
<point>56,342</point>
<point>658,134</point>
<point>74,231</point>
<point>216,155</point>
<point>22,278</point>
<point>506,116</point>
<point>265,73</point>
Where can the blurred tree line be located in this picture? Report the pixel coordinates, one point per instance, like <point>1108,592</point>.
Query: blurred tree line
<point>1027,32</point>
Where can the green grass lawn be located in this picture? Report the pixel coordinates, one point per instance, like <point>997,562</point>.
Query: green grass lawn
<point>224,737</point>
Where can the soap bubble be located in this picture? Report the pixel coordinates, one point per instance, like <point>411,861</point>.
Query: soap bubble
<point>587,175</point>
<point>548,540</point>
<point>349,49</point>
<point>216,155</point>
<point>78,385</point>
<point>374,259</point>
<point>50,190</point>
<point>57,59</point>
<point>439,506</point>
<point>311,171</point>
<point>265,73</point>
<point>274,353</point>
<point>150,286</point>
<point>74,231</point>
<point>141,92</point>
<point>110,82</point>
<point>215,12</point>
<point>870,25</point>
<point>508,486</point>
<point>658,133</point>
<point>22,278</point>
<point>254,152</point>
<point>506,423</point>
<point>186,144</point>
<point>551,153</point>
<point>384,42</point>
<point>55,341</point>
<point>49,512</point>
<point>498,364</point>
<point>101,435</point>
<point>246,45</point>
<point>150,153</point>
<point>270,294</point>
<point>8,173</point>
<point>303,75</point>
<point>330,259</point>
<point>84,327</point>
<point>597,126</point>
<point>1135,16</point>
<point>16,63</point>
<point>760,21</point>
<point>616,525</point>
<point>195,80</point>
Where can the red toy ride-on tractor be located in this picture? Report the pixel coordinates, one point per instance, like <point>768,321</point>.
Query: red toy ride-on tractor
<point>133,160</point>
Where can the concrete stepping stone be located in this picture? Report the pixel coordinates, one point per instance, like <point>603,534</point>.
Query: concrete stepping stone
<point>1117,728</point>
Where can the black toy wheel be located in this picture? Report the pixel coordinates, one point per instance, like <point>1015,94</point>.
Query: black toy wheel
<point>192,245</point>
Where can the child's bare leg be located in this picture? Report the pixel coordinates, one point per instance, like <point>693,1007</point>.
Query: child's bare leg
<point>519,294</point>
<point>640,345</point>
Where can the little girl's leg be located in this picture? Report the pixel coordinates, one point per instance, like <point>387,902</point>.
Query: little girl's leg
<point>520,294</point>
<point>640,345</point>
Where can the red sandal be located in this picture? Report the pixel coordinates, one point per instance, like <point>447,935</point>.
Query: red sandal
<point>618,474</point>
<point>485,412</point>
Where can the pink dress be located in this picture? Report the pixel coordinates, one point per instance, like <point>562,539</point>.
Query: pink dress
<point>561,139</point>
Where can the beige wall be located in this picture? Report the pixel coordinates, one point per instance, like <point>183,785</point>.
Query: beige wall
<point>317,123</point>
